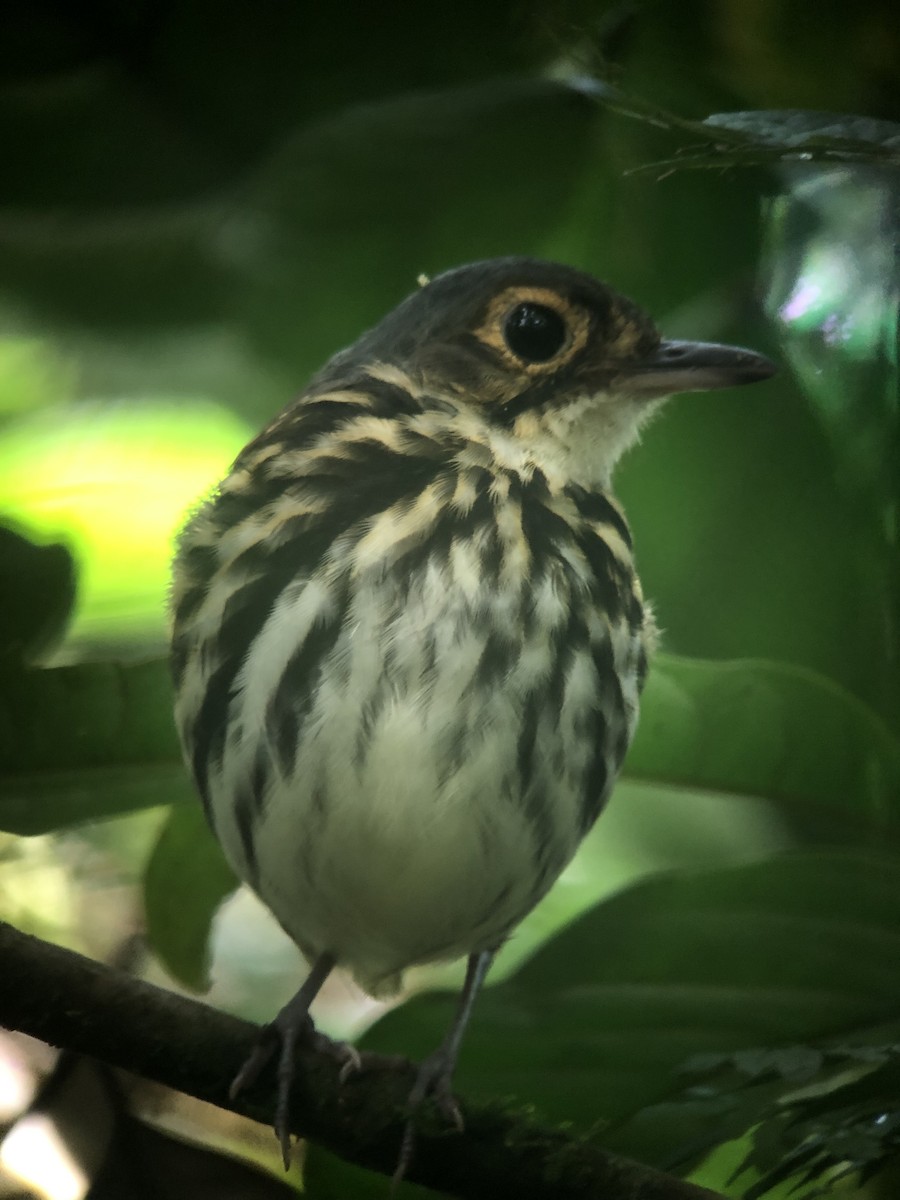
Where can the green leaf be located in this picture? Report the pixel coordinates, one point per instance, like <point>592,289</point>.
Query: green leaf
<point>327,1177</point>
<point>116,483</point>
<point>85,742</point>
<point>212,93</point>
<point>32,375</point>
<point>806,1109</point>
<point>596,1025</point>
<point>326,231</point>
<point>767,729</point>
<point>37,591</point>
<point>50,800</point>
<point>418,183</point>
<point>179,916</point>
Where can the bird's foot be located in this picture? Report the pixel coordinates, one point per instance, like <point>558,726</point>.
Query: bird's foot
<point>347,1058</point>
<point>433,1083</point>
<point>291,1027</point>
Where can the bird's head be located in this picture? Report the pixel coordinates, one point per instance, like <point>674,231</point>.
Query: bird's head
<point>552,366</point>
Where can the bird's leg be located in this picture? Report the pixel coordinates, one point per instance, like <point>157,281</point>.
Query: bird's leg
<point>435,1073</point>
<point>292,1022</point>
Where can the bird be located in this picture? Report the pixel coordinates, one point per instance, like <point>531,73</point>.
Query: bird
<point>408,634</point>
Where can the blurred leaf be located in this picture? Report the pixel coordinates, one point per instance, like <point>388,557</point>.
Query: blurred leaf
<point>767,729</point>
<point>148,268</point>
<point>783,50</point>
<point>116,482</point>
<point>43,803</point>
<point>329,230</point>
<point>647,827</point>
<point>84,742</point>
<point>794,1064</point>
<point>31,375</point>
<point>595,1026</point>
<point>839,1116</point>
<point>37,591</point>
<point>179,916</point>
<point>148,1162</point>
<point>418,183</point>
<point>748,1097</point>
<point>149,103</point>
<point>327,1177</point>
<point>833,293</point>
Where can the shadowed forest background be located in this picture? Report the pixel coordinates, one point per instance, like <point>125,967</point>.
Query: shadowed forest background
<point>199,203</point>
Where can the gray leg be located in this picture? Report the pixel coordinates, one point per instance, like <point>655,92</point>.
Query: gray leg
<point>289,1025</point>
<point>435,1074</point>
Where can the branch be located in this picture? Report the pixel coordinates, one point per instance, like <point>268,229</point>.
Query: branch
<point>80,1005</point>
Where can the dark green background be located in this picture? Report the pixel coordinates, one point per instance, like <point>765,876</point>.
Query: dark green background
<point>262,181</point>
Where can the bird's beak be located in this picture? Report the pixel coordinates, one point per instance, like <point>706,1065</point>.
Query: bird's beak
<point>693,367</point>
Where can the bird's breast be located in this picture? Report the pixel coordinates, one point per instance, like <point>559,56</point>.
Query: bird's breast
<point>421,731</point>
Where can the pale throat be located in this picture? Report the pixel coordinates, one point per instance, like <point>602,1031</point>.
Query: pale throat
<point>580,442</point>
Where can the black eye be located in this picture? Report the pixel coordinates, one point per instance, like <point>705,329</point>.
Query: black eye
<point>534,332</point>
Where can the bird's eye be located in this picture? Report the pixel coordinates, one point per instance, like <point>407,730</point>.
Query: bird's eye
<point>534,332</point>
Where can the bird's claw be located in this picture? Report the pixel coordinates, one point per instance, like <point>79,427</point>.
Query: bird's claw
<point>433,1081</point>
<point>289,1033</point>
<point>347,1057</point>
<point>256,1061</point>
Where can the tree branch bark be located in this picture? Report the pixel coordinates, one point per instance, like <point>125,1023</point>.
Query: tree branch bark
<point>83,1006</point>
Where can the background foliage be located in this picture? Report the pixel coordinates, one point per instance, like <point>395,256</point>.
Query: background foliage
<point>201,202</point>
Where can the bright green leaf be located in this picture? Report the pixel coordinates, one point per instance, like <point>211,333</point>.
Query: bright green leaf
<point>116,483</point>
<point>32,376</point>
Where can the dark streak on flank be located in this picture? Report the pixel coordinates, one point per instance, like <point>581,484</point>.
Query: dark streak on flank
<point>532,796</point>
<point>596,781</point>
<point>179,657</point>
<point>567,641</point>
<point>643,665</point>
<point>246,827</point>
<point>196,564</point>
<point>454,749</point>
<point>303,541</point>
<point>295,691</point>
<point>611,580</point>
<point>369,716</point>
<point>494,664</point>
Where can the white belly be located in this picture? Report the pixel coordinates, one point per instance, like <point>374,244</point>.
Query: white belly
<point>435,789</point>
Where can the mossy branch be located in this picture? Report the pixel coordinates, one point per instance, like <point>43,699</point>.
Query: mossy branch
<point>88,1008</point>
